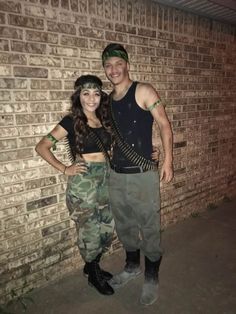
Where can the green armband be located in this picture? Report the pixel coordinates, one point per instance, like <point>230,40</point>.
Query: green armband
<point>156,103</point>
<point>51,138</point>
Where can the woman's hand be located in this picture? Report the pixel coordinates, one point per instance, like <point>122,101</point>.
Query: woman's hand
<point>75,169</point>
<point>155,154</point>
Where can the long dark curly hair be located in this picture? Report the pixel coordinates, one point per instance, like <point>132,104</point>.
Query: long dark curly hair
<point>80,120</point>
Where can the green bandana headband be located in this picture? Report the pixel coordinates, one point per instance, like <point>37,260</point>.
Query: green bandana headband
<point>115,53</point>
<point>89,85</point>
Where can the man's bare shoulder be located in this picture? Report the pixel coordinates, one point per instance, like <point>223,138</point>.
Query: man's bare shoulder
<point>145,87</point>
<point>146,94</point>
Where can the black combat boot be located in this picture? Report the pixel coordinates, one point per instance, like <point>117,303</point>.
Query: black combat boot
<point>105,274</point>
<point>150,286</point>
<point>132,270</point>
<point>132,259</point>
<point>96,279</point>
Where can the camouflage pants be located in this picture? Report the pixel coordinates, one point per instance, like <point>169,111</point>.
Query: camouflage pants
<point>87,201</point>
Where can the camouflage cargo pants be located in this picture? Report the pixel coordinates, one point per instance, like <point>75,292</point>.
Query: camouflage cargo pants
<point>88,204</point>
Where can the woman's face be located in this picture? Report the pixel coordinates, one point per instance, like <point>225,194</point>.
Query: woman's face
<point>90,99</point>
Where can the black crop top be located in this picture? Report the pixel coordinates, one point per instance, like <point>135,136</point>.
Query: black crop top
<point>89,145</point>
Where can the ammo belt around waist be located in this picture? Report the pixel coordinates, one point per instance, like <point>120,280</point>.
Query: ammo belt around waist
<point>132,169</point>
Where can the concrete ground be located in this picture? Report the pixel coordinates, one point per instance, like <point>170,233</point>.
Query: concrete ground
<point>197,275</point>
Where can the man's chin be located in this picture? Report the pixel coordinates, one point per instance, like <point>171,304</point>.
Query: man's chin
<point>115,82</point>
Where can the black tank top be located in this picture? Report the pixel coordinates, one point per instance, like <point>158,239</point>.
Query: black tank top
<point>135,125</point>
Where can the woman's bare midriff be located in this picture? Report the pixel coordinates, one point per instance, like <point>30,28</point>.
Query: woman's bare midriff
<point>96,157</point>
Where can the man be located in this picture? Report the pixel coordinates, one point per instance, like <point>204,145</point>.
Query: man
<point>134,184</point>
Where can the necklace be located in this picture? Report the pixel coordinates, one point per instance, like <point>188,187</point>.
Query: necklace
<point>122,93</point>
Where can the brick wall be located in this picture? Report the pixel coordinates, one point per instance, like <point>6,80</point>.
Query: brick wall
<point>44,46</point>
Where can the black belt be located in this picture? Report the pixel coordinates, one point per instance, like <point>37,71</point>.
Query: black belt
<point>132,169</point>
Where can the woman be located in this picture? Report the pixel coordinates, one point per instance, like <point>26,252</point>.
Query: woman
<point>87,194</point>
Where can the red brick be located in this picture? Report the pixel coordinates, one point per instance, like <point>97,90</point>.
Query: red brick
<point>28,22</point>
<point>114,36</point>
<point>124,28</point>
<point>9,32</point>
<point>61,28</point>
<point>30,72</point>
<point>91,32</point>
<point>10,6</point>
<point>100,23</point>
<point>42,37</point>
<point>74,41</point>
<point>27,47</point>
<point>65,4</point>
<point>55,3</point>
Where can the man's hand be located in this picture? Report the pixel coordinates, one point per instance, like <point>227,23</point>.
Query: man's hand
<point>167,172</point>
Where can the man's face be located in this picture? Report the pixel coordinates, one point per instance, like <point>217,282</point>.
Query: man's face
<point>116,70</point>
